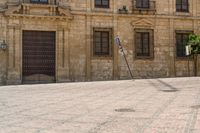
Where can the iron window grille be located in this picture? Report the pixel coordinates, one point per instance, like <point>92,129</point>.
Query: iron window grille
<point>102,3</point>
<point>144,43</point>
<point>182,6</point>
<point>142,4</point>
<point>181,41</point>
<point>40,1</point>
<point>102,43</point>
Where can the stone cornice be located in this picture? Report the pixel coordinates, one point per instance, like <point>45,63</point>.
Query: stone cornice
<point>24,11</point>
<point>66,13</point>
<point>130,15</point>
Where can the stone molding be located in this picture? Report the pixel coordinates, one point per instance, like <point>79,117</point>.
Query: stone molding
<point>142,22</point>
<point>54,11</point>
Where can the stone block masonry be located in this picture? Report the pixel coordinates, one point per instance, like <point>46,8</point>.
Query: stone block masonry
<point>74,23</point>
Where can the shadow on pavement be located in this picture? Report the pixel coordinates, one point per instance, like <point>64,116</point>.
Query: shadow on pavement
<point>166,87</point>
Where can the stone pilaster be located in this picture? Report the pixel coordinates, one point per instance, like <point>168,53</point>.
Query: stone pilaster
<point>14,54</point>
<point>88,47</point>
<point>62,52</point>
<point>115,51</point>
<point>172,49</point>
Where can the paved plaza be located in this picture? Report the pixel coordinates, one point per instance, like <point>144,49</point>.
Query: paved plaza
<point>129,106</point>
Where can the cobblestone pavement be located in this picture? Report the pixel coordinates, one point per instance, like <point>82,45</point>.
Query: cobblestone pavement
<point>130,106</point>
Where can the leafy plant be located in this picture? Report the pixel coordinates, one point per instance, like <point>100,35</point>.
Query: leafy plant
<point>194,43</point>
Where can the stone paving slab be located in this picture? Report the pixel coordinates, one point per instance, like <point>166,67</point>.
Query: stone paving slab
<point>130,106</point>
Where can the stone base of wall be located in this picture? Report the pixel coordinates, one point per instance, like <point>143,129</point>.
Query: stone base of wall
<point>13,82</point>
<point>198,65</point>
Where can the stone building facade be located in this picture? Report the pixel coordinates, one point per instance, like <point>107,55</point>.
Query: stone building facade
<point>75,39</point>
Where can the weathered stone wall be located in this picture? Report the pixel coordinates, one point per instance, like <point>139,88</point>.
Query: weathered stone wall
<point>77,49</point>
<point>3,2</point>
<point>74,41</point>
<point>102,69</point>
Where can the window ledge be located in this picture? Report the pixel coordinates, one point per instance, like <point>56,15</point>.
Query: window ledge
<point>144,58</point>
<point>102,57</point>
<point>183,14</point>
<point>102,10</point>
<point>38,5</point>
<point>184,58</point>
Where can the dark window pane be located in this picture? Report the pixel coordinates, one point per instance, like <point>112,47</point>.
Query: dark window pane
<point>178,7</point>
<point>181,41</point>
<point>101,43</point>
<point>105,34</point>
<point>102,3</point>
<point>98,2</point>
<point>39,1</point>
<point>43,0</point>
<point>142,44</point>
<point>105,2</point>
<point>138,3</point>
<point>104,40</point>
<point>182,5</point>
<point>185,2</point>
<point>145,3</point>
<point>97,33</point>
<point>142,3</point>
<point>178,1</point>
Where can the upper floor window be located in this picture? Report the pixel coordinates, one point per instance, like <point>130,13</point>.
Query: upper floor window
<point>182,6</point>
<point>144,43</point>
<point>181,41</point>
<point>102,3</point>
<point>39,1</point>
<point>142,3</point>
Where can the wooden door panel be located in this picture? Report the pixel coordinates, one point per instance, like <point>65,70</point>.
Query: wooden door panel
<point>38,55</point>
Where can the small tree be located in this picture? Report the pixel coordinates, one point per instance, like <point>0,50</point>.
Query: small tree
<point>194,43</point>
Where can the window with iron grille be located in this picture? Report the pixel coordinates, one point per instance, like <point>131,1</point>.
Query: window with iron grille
<point>39,1</point>
<point>102,42</point>
<point>181,41</point>
<point>144,43</point>
<point>182,6</point>
<point>142,3</point>
<point>102,3</point>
